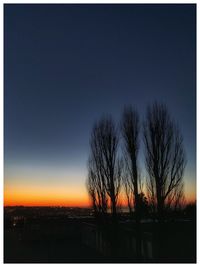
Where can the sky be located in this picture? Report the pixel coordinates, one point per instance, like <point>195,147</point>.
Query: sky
<point>67,65</point>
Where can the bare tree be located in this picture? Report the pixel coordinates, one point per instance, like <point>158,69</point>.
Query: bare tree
<point>165,157</point>
<point>130,133</point>
<point>150,188</point>
<point>105,166</point>
<point>176,200</point>
<point>96,189</point>
<point>129,191</point>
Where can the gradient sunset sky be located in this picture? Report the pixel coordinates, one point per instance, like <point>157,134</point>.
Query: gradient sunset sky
<point>66,65</point>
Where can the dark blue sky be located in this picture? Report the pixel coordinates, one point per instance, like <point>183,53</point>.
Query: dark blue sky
<point>66,65</point>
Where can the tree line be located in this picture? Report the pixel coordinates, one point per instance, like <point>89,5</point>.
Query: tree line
<point>114,163</point>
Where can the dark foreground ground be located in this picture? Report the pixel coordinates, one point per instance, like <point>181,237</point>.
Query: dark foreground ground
<point>76,239</point>
<point>47,251</point>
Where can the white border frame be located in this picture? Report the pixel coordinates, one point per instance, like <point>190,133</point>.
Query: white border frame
<point>2,107</point>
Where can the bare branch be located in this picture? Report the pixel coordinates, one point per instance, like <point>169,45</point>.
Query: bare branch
<point>165,156</point>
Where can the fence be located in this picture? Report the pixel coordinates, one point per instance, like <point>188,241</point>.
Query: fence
<point>99,239</point>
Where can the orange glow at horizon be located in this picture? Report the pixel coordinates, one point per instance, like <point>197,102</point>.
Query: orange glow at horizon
<point>37,199</point>
<point>49,196</point>
<point>71,197</point>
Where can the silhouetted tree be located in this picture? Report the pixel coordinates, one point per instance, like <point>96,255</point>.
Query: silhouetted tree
<point>130,133</point>
<point>176,200</point>
<point>143,204</point>
<point>165,158</point>
<point>129,191</point>
<point>96,188</point>
<point>104,177</point>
